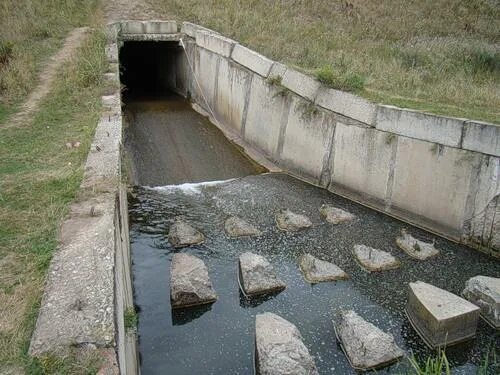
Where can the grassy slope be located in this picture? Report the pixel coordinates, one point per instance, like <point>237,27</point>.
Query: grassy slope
<point>31,31</point>
<point>439,56</point>
<point>39,177</point>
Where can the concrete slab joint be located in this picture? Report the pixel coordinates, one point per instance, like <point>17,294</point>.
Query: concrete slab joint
<point>252,60</point>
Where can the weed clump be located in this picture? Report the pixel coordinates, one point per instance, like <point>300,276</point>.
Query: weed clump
<point>340,79</point>
<point>130,319</point>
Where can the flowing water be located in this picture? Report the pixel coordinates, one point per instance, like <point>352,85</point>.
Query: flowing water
<point>219,339</point>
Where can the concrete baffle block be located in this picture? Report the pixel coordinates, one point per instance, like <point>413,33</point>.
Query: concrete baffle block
<point>257,275</point>
<point>374,259</point>
<point>181,234</point>
<point>316,270</point>
<point>365,345</point>
<point>279,348</point>
<point>416,248</point>
<point>440,318</point>
<point>237,227</point>
<point>291,222</point>
<point>190,284</point>
<point>484,292</point>
<point>335,215</point>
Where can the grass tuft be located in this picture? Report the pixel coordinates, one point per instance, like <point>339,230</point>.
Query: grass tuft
<point>434,365</point>
<point>130,319</point>
<point>341,80</point>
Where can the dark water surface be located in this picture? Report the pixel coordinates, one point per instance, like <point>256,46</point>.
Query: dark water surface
<point>169,143</point>
<point>219,339</point>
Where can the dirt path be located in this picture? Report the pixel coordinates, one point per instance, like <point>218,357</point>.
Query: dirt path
<point>47,77</point>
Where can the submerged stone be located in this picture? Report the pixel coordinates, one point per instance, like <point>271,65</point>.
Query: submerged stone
<point>237,227</point>
<point>292,222</point>
<point>484,292</point>
<point>181,234</point>
<point>365,345</point>
<point>416,248</point>
<point>279,348</point>
<point>190,284</point>
<point>335,215</point>
<point>257,275</point>
<point>441,318</point>
<point>373,259</point>
<point>316,270</point>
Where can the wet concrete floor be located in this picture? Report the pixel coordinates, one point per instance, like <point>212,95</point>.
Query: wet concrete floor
<point>167,142</point>
<point>219,339</point>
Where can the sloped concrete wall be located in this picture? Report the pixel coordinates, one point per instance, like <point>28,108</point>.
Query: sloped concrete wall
<point>435,172</point>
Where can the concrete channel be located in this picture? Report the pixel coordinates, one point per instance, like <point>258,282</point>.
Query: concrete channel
<point>206,128</point>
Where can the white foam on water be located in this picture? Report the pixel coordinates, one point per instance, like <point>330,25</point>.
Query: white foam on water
<point>188,188</point>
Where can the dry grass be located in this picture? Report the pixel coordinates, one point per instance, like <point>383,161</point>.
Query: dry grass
<point>30,31</point>
<point>440,56</point>
<point>39,177</point>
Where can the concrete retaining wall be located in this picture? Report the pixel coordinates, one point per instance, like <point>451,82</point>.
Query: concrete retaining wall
<point>436,172</point>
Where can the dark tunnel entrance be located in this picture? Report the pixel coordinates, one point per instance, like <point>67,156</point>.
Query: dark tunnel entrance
<point>152,69</point>
<point>166,141</point>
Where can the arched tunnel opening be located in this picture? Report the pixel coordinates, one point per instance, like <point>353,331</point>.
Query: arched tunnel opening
<point>166,141</point>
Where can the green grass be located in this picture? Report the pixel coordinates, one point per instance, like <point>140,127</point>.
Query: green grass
<point>130,318</point>
<point>31,31</point>
<point>433,365</point>
<point>39,178</point>
<point>437,56</point>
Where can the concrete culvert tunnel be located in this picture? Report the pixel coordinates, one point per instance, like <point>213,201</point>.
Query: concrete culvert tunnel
<point>166,141</point>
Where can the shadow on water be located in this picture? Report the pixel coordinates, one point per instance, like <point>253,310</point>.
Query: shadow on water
<point>219,338</point>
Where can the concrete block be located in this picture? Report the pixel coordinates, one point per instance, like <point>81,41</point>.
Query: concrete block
<point>335,215</point>
<point>160,27</point>
<point>414,124</point>
<point>432,182</point>
<point>257,275</point>
<point>482,137</point>
<point>190,29</point>
<point>347,104</point>
<point>252,60</point>
<point>362,160</point>
<point>132,27</point>
<point>316,270</point>
<point>307,140</point>
<point>279,348</point>
<point>182,234</point>
<point>233,83</point>
<point>484,292</point>
<point>190,284</point>
<point>440,317</point>
<point>266,108</point>
<point>301,84</point>
<point>289,221</point>
<point>365,345</point>
<point>374,260</point>
<point>215,43</point>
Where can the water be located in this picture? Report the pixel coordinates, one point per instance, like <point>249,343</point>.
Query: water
<point>219,339</point>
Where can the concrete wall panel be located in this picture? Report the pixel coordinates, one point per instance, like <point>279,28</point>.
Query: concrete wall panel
<point>307,140</point>
<point>267,108</point>
<point>362,159</point>
<point>432,181</point>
